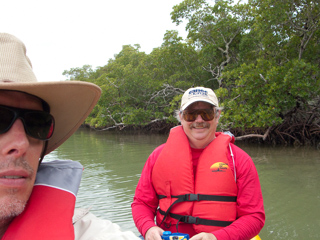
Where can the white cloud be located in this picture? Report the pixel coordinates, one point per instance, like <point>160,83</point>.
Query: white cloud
<point>64,34</point>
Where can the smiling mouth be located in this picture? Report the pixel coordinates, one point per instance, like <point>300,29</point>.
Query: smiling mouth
<point>200,126</point>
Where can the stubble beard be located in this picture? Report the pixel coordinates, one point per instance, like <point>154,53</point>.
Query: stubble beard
<point>10,205</point>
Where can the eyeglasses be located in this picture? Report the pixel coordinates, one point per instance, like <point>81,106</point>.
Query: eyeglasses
<point>206,114</point>
<point>37,124</point>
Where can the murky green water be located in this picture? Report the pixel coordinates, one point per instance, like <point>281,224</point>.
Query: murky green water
<point>112,165</point>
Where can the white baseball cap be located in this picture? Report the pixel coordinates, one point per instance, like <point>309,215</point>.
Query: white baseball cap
<point>198,94</point>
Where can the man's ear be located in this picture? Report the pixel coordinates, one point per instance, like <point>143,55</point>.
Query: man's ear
<point>218,114</point>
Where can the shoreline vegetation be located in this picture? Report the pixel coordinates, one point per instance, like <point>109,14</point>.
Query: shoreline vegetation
<point>261,58</point>
<point>290,132</point>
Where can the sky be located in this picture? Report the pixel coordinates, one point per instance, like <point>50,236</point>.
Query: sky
<point>64,34</point>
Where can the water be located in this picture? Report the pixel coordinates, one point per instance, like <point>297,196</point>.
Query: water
<point>290,185</point>
<point>113,162</point>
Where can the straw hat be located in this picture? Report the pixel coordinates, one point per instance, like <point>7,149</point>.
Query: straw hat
<point>70,101</point>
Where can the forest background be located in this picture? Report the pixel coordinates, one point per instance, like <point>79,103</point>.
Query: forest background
<point>262,59</point>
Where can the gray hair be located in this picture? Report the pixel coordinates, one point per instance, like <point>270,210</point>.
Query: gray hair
<point>177,113</point>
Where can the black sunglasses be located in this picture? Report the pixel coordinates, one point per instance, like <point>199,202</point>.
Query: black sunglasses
<point>206,114</point>
<point>37,124</point>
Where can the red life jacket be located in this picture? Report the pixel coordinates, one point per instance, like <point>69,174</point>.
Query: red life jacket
<point>208,200</point>
<point>48,213</point>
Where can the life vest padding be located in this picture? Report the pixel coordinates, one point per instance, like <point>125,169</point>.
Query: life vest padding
<point>170,176</point>
<point>56,216</point>
<point>48,213</point>
<point>218,180</point>
<point>173,175</point>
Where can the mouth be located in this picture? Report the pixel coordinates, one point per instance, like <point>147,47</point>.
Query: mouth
<point>12,177</point>
<point>14,173</point>
<point>200,126</point>
<point>13,182</point>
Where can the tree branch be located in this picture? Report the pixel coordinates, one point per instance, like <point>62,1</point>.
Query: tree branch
<point>264,136</point>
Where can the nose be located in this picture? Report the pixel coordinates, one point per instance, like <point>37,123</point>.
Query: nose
<point>15,142</point>
<point>199,118</point>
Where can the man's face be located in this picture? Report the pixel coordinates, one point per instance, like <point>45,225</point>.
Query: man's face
<point>19,156</point>
<point>200,132</point>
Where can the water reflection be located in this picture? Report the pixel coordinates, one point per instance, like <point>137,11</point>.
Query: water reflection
<point>113,163</point>
<point>112,166</point>
<point>290,186</point>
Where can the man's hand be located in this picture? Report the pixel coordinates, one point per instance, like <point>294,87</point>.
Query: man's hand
<point>204,236</point>
<point>154,233</point>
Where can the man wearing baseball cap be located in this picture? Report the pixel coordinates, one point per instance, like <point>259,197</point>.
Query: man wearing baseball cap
<point>37,199</point>
<point>198,182</point>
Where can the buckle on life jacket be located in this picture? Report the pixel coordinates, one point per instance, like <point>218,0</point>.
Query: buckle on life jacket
<point>192,197</point>
<point>191,220</point>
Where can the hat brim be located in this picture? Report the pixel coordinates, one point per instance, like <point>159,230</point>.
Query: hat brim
<point>70,103</point>
<point>196,100</point>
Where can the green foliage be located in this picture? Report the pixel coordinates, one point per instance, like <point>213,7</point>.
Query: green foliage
<point>260,57</point>
<point>80,74</point>
<point>264,93</point>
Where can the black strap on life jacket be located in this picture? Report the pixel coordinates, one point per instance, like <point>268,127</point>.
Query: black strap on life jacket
<point>196,197</point>
<point>197,220</point>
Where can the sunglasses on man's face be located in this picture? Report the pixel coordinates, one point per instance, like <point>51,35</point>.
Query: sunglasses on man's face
<point>206,114</point>
<point>37,124</point>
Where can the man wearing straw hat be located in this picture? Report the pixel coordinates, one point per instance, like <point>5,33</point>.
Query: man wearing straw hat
<point>37,200</point>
